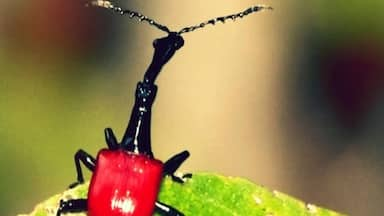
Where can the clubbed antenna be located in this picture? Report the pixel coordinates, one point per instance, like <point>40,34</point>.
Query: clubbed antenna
<point>142,18</point>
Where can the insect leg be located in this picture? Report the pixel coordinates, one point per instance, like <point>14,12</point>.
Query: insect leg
<point>172,164</point>
<point>72,206</point>
<point>110,138</point>
<point>87,160</point>
<point>166,210</point>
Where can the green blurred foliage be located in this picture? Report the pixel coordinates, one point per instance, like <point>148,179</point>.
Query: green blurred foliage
<point>54,95</point>
<point>340,19</point>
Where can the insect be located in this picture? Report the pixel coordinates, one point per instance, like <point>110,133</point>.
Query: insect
<point>126,176</point>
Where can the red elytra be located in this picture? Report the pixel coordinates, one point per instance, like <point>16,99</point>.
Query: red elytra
<point>124,184</point>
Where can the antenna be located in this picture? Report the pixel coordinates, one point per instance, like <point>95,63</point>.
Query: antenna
<point>142,18</point>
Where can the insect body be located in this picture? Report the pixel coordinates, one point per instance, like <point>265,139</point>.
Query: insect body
<point>130,185</point>
<point>126,176</point>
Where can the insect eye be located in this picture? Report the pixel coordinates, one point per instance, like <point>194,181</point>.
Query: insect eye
<point>179,43</point>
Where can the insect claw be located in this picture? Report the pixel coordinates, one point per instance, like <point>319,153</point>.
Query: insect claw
<point>177,179</point>
<point>187,175</point>
<point>181,179</point>
<point>74,184</point>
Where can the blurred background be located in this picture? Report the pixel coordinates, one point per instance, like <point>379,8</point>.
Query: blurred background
<point>291,99</point>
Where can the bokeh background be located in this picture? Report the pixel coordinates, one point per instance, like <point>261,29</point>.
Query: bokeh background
<point>291,99</point>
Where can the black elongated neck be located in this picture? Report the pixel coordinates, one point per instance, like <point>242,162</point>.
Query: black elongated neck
<point>137,137</point>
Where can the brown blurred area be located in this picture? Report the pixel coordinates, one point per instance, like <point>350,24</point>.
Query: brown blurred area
<point>291,98</point>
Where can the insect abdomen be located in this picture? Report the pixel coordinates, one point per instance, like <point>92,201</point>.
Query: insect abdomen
<point>124,184</point>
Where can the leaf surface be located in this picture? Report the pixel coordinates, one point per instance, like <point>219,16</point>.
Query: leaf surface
<point>210,194</point>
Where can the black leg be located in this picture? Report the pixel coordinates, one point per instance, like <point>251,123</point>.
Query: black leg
<point>172,164</point>
<point>110,138</point>
<point>166,210</point>
<point>72,206</point>
<point>87,160</point>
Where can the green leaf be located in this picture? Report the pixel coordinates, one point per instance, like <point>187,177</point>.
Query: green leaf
<point>210,194</point>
